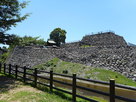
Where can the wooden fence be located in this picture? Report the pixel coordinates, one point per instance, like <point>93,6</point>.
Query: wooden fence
<point>24,72</point>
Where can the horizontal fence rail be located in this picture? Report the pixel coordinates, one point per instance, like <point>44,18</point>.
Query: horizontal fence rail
<point>34,76</point>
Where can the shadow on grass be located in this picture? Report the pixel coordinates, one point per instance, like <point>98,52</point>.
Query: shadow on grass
<point>7,83</point>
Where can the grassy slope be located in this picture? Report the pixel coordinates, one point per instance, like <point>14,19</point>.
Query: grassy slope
<point>60,66</point>
<point>31,95</point>
<point>25,93</point>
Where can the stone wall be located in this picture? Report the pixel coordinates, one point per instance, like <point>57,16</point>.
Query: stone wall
<point>30,56</point>
<point>120,59</point>
<point>117,57</point>
<point>104,39</point>
<point>71,45</point>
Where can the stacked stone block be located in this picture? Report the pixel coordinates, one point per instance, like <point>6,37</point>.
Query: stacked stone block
<point>104,39</point>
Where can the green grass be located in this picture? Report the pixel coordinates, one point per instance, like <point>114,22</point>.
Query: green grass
<point>26,96</point>
<point>69,97</point>
<point>106,75</point>
<point>60,66</point>
<point>69,68</point>
<point>26,93</point>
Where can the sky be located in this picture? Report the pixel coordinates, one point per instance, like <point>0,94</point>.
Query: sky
<point>79,18</point>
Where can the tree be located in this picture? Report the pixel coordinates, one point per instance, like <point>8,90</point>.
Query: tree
<point>10,16</point>
<point>58,35</point>
<point>28,40</point>
<point>11,39</point>
<point>15,40</point>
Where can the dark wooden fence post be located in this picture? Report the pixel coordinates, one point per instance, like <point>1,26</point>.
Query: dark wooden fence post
<point>24,76</point>
<point>51,80</point>
<point>74,88</point>
<point>16,71</point>
<point>4,68</point>
<point>112,90</point>
<point>35,77</point>
<point>0,67</point>
<point>9,69</point>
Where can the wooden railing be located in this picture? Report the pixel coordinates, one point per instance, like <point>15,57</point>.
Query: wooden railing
<point>32,75</point>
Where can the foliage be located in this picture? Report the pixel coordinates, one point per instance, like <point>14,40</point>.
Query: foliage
<point>9,39</point>
<point>10,13</point>
<point>4,56</point>
<point>12,40</point>
<point>10,16</point>
<point>6,53</point>
<point>28,40</point>
<point>4,38</point>
<point>58,35</point>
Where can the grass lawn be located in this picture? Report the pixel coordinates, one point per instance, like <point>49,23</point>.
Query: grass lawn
<point>29,94</point>
<point>15,91</point>
<point>106,75</point>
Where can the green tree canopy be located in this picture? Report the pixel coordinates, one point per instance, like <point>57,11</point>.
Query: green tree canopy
<point>25,41</point>
<point>58,35</point>
<point>10,16</point>
<point>28,40</point>
<point>10,13</point>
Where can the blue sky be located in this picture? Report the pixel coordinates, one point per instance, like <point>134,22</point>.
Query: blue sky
<point>79,18</point>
